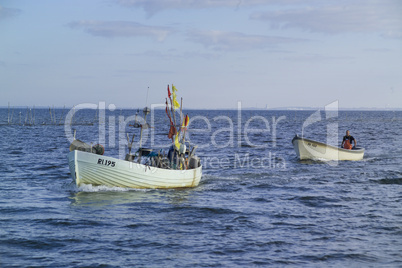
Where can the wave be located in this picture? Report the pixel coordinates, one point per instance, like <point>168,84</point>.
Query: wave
<point>390,181</point>
<point>89,188</point>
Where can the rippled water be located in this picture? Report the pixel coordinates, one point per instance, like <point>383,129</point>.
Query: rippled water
<point>256,205</point>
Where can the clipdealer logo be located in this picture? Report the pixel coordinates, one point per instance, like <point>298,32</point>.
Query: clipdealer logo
<point>332,126</point>
<point>237,132</point>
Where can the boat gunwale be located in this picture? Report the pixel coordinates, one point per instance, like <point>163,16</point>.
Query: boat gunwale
<point>139,164</point>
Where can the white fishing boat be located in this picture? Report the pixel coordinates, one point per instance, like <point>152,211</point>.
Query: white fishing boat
<point>94,169</point>
<point>314,150</point>
<point>146,168</point>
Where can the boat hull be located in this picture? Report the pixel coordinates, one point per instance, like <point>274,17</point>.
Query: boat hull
<point>89,168</point>
<point>314,150</point>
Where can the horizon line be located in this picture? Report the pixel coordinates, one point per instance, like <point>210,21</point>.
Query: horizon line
<point>289,108</point>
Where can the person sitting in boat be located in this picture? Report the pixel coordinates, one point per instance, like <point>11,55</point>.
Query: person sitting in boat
<point>347,141</point>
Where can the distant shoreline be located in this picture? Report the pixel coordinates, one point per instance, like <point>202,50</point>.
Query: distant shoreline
<point>223,109</point>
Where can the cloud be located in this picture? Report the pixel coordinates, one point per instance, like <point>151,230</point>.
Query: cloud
<point>153,6</point>
<point>313,57</point>
<point>173,54</point>
<point>8,12</point>
<point>383,17</point>
<point>237,41</point>
<point>121,29</point>
<point>378,50</point>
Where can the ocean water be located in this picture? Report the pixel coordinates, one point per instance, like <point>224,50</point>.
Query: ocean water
<point>256,204</point>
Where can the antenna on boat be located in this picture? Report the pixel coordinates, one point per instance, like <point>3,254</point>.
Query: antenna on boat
<point>146,111</point>
<point>146,100</point>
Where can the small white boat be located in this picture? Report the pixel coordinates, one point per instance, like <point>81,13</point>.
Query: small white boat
<point>91,168</point>
<point>146,168</point>
<point>314,150</point>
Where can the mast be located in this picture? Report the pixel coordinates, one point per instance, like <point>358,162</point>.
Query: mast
<point>146,111</point>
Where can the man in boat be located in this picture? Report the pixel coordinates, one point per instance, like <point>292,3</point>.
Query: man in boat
<point>347,141</point>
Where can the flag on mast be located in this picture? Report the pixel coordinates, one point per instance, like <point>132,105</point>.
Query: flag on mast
<point>169,94</point>
<point>176,142</point>
<point>176,104</point>
<point>185,121</point>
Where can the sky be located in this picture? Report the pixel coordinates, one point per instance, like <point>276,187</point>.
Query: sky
<point>262,53</point>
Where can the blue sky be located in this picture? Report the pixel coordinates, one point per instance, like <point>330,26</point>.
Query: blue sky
<point>275,53</point>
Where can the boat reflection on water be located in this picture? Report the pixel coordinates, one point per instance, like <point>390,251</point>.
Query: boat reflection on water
<point>100,196</point>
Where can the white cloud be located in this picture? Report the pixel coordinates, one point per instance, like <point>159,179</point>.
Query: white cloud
<point>383,17</point>
<point>121,29</point>
<point>8,12</point>
<point>314,57</point>
<point>153,6</point>
<point>378,50</point>
<point>237,41</point>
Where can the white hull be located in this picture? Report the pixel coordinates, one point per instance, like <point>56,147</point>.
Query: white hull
<point>314,150</point>
<point>89,168</point>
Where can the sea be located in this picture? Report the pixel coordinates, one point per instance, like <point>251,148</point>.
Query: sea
<point>257,205</point>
